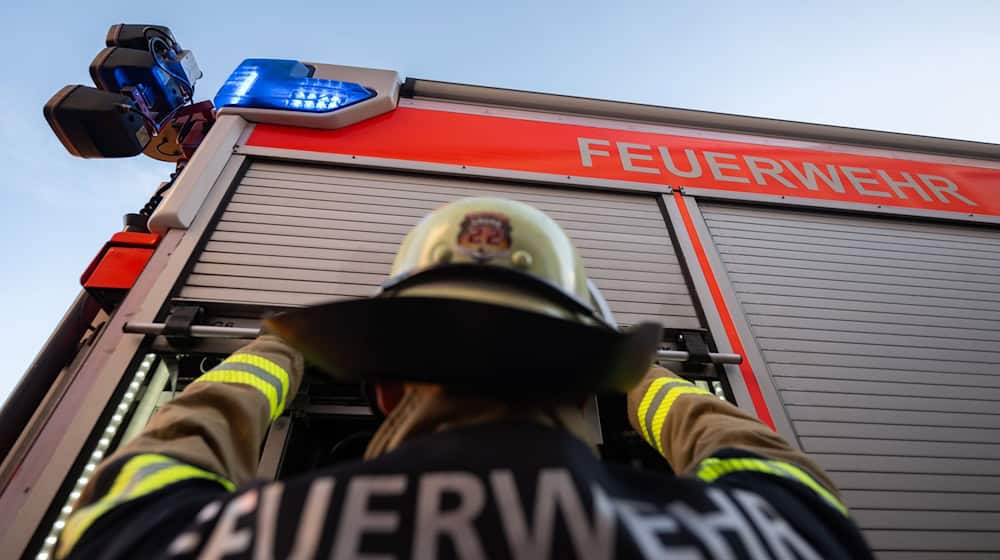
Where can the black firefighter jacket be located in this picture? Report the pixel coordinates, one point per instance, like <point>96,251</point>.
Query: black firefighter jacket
<point>508,488</point>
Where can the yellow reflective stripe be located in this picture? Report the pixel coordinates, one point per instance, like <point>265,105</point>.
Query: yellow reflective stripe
<point>266,365</point>
<point>139,476</point>
<point>647,399</point>
<point>652,399</point>
<point>804,477</point>
<point>713,468</point>
<point>246,378</point>
<point>656,403</point>
<point>260,373</point>
<point>668,401</point>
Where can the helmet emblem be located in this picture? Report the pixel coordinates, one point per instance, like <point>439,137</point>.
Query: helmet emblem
<point>484,236</point>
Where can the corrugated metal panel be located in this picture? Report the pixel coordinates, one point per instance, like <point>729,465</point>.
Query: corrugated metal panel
<point>296,234</point>
<point>883,340</point>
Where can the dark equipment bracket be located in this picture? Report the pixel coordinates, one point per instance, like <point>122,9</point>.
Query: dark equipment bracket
<point>177,326</point>
<point>694,343</point>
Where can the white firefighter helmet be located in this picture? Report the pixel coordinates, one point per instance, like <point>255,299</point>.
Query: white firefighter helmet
<point>496,251</point>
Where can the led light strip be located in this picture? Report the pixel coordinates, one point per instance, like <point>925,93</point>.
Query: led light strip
<point>713,387</point>
<point>121,411</point>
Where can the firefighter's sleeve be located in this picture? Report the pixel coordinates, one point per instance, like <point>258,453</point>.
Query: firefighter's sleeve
<point>702,435</point>
<point>210,436</point>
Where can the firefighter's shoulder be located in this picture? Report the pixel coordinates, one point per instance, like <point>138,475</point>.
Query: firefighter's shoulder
<point>404,504</point>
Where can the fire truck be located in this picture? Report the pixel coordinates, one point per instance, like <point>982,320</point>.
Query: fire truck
<point>840,284</point>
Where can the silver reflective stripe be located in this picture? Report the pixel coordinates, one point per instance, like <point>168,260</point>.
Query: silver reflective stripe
<point>141,475</point>
<point>654,405</point>
<point>257,372</point>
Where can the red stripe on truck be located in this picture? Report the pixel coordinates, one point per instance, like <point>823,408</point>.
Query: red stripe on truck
<point>756,397</point>
<point>662,159</point>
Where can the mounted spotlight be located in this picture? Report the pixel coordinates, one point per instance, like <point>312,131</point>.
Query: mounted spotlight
<point>137,74</point>
<point>160,41</point>
<point>145,99</point>
<point>137,36</point>
<point>92,123</point>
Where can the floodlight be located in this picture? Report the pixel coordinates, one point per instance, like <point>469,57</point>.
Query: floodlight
<point>136,73</point>
<point>92,123</point>
<point>137,36</point>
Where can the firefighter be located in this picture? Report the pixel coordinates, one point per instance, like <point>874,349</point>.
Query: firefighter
<point>484,452</point>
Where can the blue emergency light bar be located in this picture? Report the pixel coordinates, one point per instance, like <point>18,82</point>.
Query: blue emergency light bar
<point>288,85</point>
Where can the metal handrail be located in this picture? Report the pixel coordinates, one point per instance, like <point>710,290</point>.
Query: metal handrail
<point>208,331</point>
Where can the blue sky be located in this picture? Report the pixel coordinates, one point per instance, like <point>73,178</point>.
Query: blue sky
<point>906,66</point>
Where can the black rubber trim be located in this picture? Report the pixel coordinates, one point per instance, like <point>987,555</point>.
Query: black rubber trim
<point>407,90</point>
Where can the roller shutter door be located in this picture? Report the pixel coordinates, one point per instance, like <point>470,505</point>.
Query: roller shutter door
<point>294,234</point>
<point>883,339</point>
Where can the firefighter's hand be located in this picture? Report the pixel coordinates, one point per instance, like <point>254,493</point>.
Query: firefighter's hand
<point>266,328</point>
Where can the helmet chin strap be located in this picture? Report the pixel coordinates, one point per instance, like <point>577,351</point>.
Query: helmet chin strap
<point>601,304</point>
